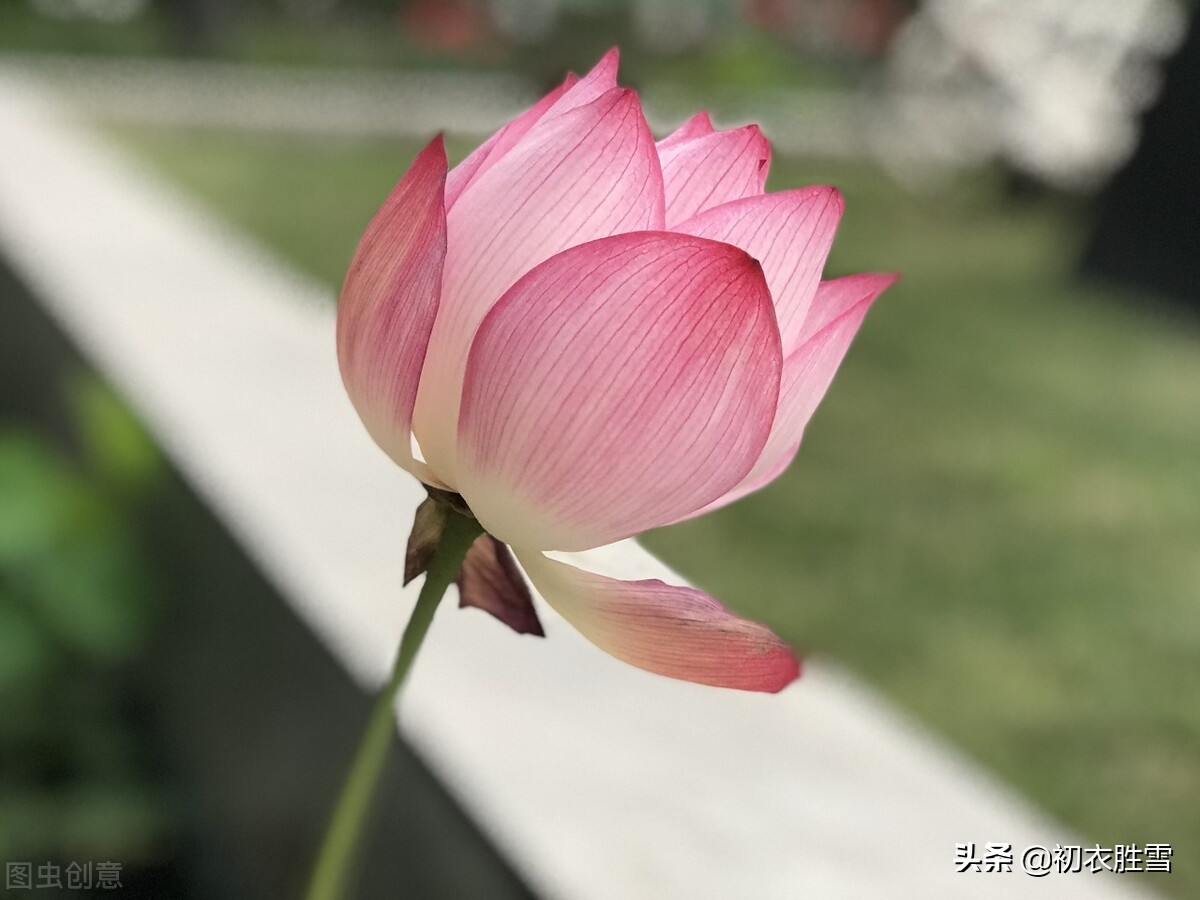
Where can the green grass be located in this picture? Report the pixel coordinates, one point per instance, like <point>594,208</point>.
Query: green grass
<point>995,514</point>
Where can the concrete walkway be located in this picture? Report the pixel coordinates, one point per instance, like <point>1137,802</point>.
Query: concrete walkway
<point>597,780</point>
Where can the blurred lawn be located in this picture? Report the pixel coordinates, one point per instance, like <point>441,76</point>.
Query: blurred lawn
<point>995,516</point>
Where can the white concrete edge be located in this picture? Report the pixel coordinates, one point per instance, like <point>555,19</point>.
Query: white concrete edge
<point>596,780</point>
<point>374,103</point>
<point>305,99</point>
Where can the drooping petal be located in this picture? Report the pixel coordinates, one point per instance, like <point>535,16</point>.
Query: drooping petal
<point>674,631</point>
<point>491,581</point>
<point>388,304</point>
<point>589,173</point>
<point>790,233</point>
<point>618,386</point>
<point>709,170</point>
<point>697,126</point>
<point>494,148</point>
<point>836,314</point>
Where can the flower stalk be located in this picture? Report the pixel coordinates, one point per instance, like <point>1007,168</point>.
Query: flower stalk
<point>339,854</point>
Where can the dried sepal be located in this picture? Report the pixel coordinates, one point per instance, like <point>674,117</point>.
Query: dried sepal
<point>428,527</point>
<point>490,580</point>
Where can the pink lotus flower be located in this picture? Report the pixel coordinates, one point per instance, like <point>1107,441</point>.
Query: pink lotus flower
<point>587,334</point>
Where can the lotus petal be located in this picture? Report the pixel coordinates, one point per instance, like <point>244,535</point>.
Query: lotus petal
<point>618,386</point>
<point>388,304</point>
<point>678,632</point>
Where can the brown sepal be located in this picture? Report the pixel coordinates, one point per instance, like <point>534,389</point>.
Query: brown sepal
<point>491,581</point>
<point>428,527</point>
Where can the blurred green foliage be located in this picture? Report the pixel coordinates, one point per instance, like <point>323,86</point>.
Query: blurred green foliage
<point>733,59</point>
<point>77,604</point>
<point>995,512</point>
<point>24,29</point>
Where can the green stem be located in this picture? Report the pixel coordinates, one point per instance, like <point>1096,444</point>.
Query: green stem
<point>339,848</point>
